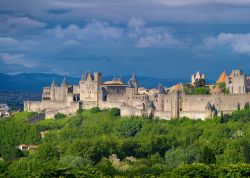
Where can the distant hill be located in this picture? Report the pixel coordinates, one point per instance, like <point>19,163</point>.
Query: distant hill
<point>33,82</point>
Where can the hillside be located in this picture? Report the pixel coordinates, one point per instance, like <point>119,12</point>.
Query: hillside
<point>98,143</point>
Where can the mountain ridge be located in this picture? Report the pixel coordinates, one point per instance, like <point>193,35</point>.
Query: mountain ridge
<point>33,82</point>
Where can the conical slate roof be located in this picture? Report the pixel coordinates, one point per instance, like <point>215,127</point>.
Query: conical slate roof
<point>83,77</point>
<point>161,89</point>
<point>151,105</point>
<point>64,82</point>
<point>133,77</point>
<point>209,106</point>
<point>130,84</point>
<point>53,84</point>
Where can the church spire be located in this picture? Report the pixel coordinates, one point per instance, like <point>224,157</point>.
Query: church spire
<point>83,77</point>
<point>133,78</point>
<point>53,84</point>
<point>88,76</point>
<point>64,82</point>
<point>134,81</point>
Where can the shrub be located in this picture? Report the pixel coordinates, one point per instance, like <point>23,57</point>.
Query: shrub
<point>193,170</point>
<point>59,116</point>
<point>115,112</point>
<point>79,111</point>
<point>129,128</point>
<point>95,110</point>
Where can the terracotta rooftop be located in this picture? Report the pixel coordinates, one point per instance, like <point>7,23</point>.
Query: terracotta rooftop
<point>118,82</point>
<point>178,87</point>
<point>216,89</point>
<point>222,78</point>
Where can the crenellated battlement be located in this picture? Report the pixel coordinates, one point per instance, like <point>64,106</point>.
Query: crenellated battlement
<point>162,102</point>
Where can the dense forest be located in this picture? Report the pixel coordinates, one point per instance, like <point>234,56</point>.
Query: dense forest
<point>96,143</point>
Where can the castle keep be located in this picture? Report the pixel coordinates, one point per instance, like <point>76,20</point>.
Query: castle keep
<point>164,103</point>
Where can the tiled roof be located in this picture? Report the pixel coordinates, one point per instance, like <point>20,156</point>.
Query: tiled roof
<point>222,78</point>
<point>216,89</point>
<point>113,83</point>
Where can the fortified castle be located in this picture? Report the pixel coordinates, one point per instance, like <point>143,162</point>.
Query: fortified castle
<point>164,103</point>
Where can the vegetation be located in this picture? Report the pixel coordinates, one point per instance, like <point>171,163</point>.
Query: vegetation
<point>223,87</point>
<point>199,83</point>
<point>190,90</point>
<point>96,143</point>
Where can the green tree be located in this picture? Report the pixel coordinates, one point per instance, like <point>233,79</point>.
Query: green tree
<point>10,153</point>
<point>129,127</point>
<point>207,156</point>
<point>59,116</point>
<point>47,151</point>
<point>115,112</point>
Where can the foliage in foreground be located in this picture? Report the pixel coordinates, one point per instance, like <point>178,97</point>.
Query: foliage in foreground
<point>97,143</point>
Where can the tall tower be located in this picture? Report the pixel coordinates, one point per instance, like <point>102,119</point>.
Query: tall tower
<point>98,78</point>
<point>52,90</point>
<point>89,85</point>
<point>160,101</point>
<point>175,111</point>
<point>64,89</point>
<point>132,89</point>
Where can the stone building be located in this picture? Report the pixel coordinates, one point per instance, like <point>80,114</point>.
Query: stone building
<point>196,77</point>
<point>163,103</point>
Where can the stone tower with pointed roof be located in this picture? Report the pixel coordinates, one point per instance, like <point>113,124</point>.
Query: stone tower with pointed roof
<point>88,87</point>
<point>53,90</point>
<point>160,99</point>
<point>64,89</point>
<point>132,88</point>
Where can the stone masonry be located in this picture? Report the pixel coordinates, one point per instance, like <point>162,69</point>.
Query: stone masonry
<point>162,103</point>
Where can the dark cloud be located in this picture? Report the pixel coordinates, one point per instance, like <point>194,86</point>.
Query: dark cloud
<point>152,37</point>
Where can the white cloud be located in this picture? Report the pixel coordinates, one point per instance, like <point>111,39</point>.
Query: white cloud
<point>8,41</point>
<point>15,44</point>
<point>239,43</point>
<point>91,30</point>
<point>136,23</point>
<point>200,2</point>
<point>136,27</point>
<point>24,23</point>
<point>164,39</point>
<point>18,59</point>
<point>71,42</point>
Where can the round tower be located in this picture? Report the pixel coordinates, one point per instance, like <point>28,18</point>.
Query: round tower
<point>161,95</point>
<point>52,90</point>
<point>209,109</point>
<point>151,109</point>
<point>64,89</point>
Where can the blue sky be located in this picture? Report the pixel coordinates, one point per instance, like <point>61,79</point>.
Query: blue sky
<point>158,38</point>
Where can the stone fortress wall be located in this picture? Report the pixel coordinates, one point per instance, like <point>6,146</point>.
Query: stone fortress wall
<point>164,103</point>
